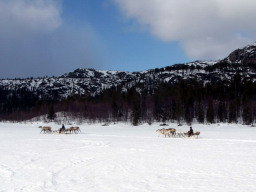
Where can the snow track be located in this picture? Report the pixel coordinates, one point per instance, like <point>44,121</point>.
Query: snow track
<point>127,159</point>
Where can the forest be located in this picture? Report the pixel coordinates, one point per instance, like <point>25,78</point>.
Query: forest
<point>181,102</point>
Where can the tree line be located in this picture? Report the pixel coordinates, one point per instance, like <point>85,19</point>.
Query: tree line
<point>176,102</point>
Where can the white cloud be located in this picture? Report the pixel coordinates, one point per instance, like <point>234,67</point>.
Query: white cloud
<point>24,17</point>
<point>205,29</point>
<point>36,41</point>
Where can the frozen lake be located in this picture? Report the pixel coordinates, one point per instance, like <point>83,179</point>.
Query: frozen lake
<point>123,158</point>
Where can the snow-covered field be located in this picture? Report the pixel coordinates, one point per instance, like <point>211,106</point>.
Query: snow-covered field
<point>123,158</point>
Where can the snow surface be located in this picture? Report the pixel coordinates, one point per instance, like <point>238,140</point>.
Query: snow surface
<point>202,63</point>
<point>123,158</point>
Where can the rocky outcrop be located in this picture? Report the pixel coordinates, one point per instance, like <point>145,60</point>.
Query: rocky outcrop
<point>246,55</point>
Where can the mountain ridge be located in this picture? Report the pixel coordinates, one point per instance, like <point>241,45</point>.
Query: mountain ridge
<point>243,55</point>
<point>92,82</point>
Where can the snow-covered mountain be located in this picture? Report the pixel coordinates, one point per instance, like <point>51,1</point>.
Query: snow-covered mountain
<point>93,82</point>
<point>243,55</point>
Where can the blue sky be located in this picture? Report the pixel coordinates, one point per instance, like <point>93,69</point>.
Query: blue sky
<point>52,37</point>
<point>123,46</point>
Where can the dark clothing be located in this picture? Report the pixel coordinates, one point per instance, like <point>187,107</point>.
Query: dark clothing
<point>62,129</point>
<point>191,132</point>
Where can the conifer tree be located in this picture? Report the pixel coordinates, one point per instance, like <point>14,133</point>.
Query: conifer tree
<point>51,114</point>
<point>200,116</point>
<point>210,112</point>
<point>135,113</point>
<point>247,115</point>
<point>232,113</point>
<point>222,112</point>
<point>178,109</point>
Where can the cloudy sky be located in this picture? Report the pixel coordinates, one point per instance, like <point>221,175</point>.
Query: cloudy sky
<point>51,37</point>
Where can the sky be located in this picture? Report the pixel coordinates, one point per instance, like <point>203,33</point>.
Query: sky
<point>51,37</point>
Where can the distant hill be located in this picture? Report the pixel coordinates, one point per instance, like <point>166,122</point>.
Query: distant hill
<point>227,82</point>
<point>93,82</point>
<point>245,55</point>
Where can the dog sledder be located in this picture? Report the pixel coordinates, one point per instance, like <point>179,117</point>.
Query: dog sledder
<point>172,132</point>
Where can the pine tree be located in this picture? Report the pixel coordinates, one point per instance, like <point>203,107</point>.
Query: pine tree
<point>232,113</point>
<point>247,115</point>
<point>135,113</point>
<point>200,115</point>
<point>51,114</point>
<point>222,112</point>
<point>114,108</point>
<point>178,109</point>
<point>210,112</point>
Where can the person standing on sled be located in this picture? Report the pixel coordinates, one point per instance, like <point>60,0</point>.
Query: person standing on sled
<point>190,132</point>
<point>62,128</point>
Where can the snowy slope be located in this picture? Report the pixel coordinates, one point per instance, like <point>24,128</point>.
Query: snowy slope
<point>245,55</point>
<point>92,82</point>
<point>127,159</point>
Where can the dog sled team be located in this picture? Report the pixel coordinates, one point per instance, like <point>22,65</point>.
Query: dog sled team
<point>171,132</point>
<point>48,129</point>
